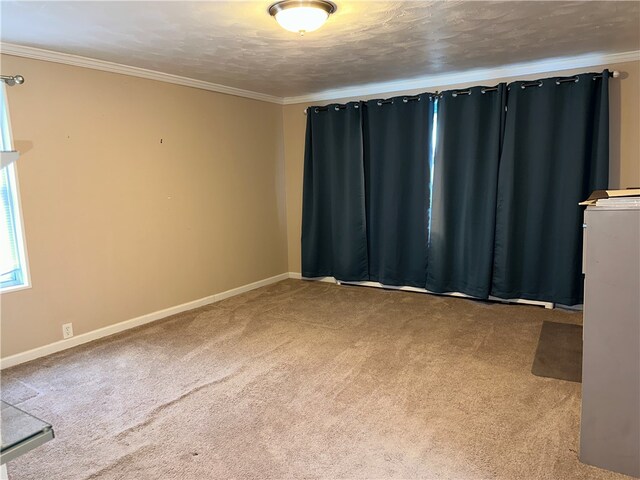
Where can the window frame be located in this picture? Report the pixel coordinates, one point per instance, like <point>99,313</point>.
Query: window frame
<point>24,277</point>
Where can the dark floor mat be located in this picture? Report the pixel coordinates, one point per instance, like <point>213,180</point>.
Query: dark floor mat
<point>559,352</point>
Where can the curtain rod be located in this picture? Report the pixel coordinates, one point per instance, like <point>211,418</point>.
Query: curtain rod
<point>614,74</point>
<point>12,80</point>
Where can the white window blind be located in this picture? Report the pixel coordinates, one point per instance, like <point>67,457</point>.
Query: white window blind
<point>13,265</point>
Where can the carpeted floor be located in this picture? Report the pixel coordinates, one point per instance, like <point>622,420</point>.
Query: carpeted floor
<point>308,380</point>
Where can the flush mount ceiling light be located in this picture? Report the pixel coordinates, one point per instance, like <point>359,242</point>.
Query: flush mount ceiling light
<point>302,16</point>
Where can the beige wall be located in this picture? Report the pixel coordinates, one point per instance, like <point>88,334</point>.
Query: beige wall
<point>137,195</point>
<point>624,136</point>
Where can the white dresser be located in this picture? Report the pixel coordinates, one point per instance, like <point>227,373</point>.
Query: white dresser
<point>610,422</point>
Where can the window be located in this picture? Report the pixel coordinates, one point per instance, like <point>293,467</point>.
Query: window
<point>13,264</point>
<point>432,160</point>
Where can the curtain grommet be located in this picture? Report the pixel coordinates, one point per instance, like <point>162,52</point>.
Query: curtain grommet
<point>337,108</point>
<point>405,100</point>
<point>524,85</point>
<point>316,110</point>
<point>574,79</point>
<point>379,102</point>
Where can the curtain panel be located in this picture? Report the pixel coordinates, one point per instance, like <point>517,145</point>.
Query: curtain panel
<point>555,153</point>
<point>397,149</point>
<point>469,138</point>
<point>334,231</point>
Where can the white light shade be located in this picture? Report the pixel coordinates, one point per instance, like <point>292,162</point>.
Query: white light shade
<point>302,16</point>
<point>302,19</point>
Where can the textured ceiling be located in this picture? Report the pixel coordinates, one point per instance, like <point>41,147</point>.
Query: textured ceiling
<point>236,43</point>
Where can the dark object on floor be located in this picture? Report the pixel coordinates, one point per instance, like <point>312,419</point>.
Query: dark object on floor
<point>559,352</point>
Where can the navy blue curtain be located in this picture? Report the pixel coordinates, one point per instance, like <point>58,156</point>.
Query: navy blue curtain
<point>469,140</point>
<point>505,219</point>
<point>397,147</point>
<point>334,237</point>
<point>555,152</point>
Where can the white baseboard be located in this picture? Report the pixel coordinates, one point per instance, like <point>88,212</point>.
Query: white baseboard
<point>299,276</point>
<point>45,350</point>
<point>29,355</point>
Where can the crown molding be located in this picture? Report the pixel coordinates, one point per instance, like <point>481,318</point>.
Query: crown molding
<point>79,61</point>
<point>378,88</point>
<point>475,75</point>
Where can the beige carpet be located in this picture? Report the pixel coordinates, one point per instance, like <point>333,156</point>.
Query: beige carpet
<point>308,380</point>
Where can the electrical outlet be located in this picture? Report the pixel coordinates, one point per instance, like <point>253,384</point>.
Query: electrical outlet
<point>67,330</point>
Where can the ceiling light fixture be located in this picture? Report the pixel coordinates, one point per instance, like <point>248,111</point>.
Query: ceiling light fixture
<point>302,16</point>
